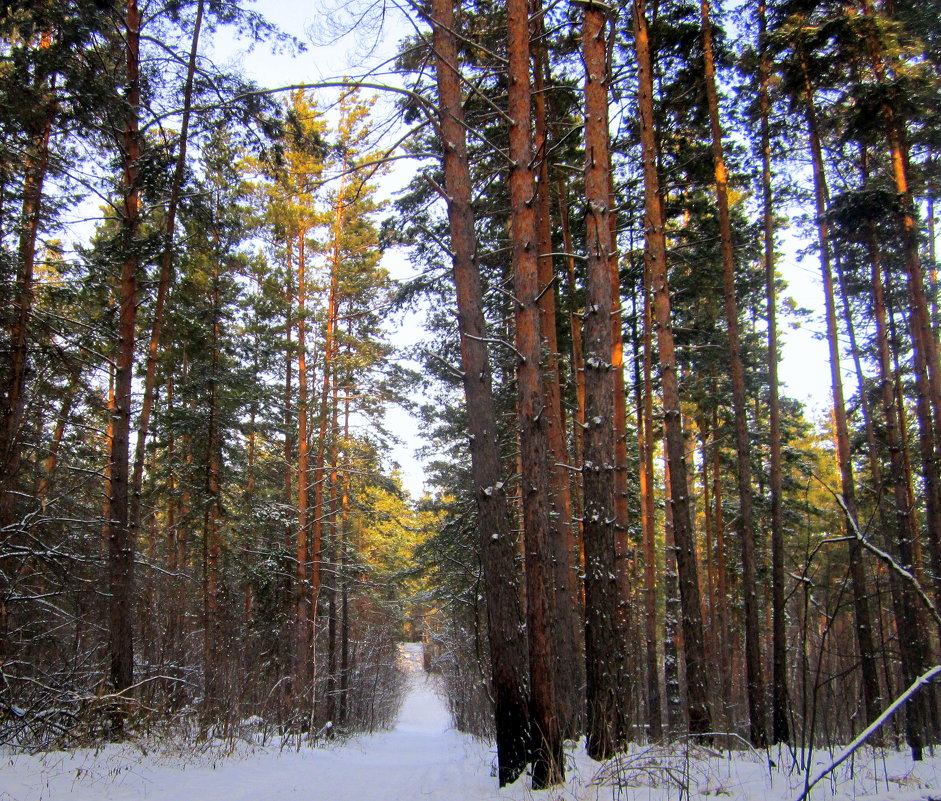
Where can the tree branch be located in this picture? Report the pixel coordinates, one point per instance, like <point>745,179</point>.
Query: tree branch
<point>871,729</point>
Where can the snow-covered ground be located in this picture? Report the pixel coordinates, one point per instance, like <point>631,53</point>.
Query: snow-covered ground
<point>424,759</point>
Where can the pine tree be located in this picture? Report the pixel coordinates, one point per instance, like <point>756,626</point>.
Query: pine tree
<point>508,649</point>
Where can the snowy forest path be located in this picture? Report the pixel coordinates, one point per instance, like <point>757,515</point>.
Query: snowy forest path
<point>421,757</point>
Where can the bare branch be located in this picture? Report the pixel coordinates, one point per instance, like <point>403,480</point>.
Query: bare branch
<point>872,728</point>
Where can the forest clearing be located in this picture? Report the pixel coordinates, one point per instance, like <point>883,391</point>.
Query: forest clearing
<point>585,356</point>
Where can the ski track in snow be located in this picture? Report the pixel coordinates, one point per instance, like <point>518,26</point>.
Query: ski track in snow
<point>424,759</point>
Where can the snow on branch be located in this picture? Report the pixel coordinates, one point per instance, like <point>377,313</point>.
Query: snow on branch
<point>871,729</point>
<point>887,558</point>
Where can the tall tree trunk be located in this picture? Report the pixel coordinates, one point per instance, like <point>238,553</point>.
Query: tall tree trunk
<point>713,648</point>
<point>333,555</point>
<point>898,391</point>
<point>569,699</point>
<point>926,445</point>
<point>343,541</point>
<point>577,371</point>
<point>780,726</point>
<point>545,732</point>
<point>927,367</point>
<point>648,520</point>
<point>619,422</point>
<point>673,613</point>
<point>758,715</point>
<point>864,640</point>
<point>302,617</point>
<point>166,272</point>
<point>14,391</point>
<point>875,471</point>
<point>575,327</point>
<point>286,599</point>
<point>723,589</point>
<point>121,536</point>
<point>288,493</point>
<point>700,718</point>
<point>933,262</point>
<point>211,514</point>
<point>923,338</point>
<point>184,510</point>
<point>498,545</point>
<point>604,636</point>
<point>172,634</point>
<point>51,462</point>
<point>624,561</point>
<point>329,353</point>
<point>913,642</point>
<point>248,500</point>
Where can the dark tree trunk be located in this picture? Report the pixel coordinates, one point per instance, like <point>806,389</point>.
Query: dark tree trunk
<point>673,612</point>
<point>780,725</point>
<point>15,373</point>
<point>575,327</point>
<point>545,733</point>
<point>927,367</point>
<point>913,642</point>
<point>648,513</point>
<point>569,699</point>
<point>332,564</point>
<point>864,635</point>
<point>700,718</point>
<point>498,545</point>
<point>342,538</point>
<point>604,636</point>
<point>302,611</point>
<point>212,546</point>
<point>285,587</point>
<point>166,273</point>
<point>121,536</point>
<point>757,706</point>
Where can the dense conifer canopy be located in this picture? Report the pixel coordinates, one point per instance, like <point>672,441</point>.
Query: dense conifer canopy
<point>629,530</point>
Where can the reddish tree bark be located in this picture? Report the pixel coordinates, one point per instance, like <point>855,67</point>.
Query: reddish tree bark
<point>545,732</point>
<point>569,699</point>
<point>757,706</point>
<point>648,513</point>
<point>288,493</point>
<point>121,544</point>
<point>700,718</point>
<point>14,390</point>
<point>604,637</point>
<point>498,545</point>
<point>575,327</point>
<point>302,611</point>
<point>318,512</point>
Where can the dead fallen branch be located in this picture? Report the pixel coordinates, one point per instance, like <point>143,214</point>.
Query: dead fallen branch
<point>871,729</point>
